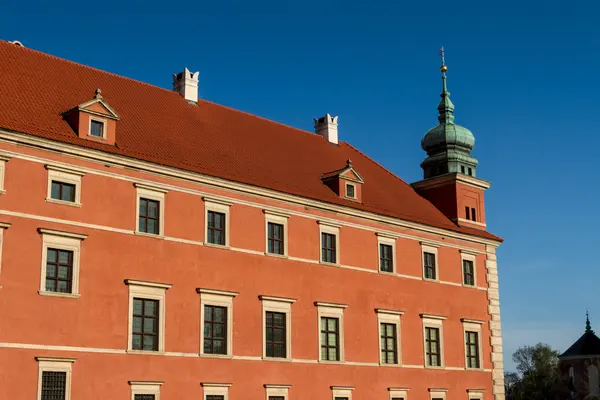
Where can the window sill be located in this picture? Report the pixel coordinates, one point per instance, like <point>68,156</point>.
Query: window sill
<point>225,356</point>
<point>434,367</point>
<point>146,352</point>
<point>387,273</point>
<point>475,369</point>
<point>431,280</point>
<point>151,235</point>
<point>275,255</point>
<point>390,365</point>
<point>329,264</point>
<point>2,191</point>
<point>470,286</point>
<point>331,362</point>
<point>265,358</point>
<point>63,202</point>
<point>58,294</point>
<point>217,246</point>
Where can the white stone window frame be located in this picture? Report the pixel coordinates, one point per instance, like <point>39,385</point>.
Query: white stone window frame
<point>433,321</point>
<point>276,218</point>
<point>398,393</point>
<point>148,291</point>
<point>3,226</point>
<point>145,387</point>
<point>341,391</point>
<point>390,317</point>
<point>331,310</point>
<point>52,239</point>
<point>220,298</point>
<point>150,192</point>
<point>346,190</point>
<point>281,305</point>
<point>433,249</point>
<point>104,123</point>
<point>55,364</point>
<point>219,206</point>
<point>437,393</point>
<point>472,325</point>
<point>277,390</point>
<point>389,240</point>
<point>215,389</point>
<point>3,160</point>
<point>468,256</point>
<point>64,175</point>
<point>333,229</point>
<point>475,394</point>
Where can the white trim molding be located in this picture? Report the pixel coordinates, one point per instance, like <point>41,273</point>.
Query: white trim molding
<point>58,240</point>
<point>277,390</point>
<point>341,391</point>
<point>279,305</point>
<point>218,298</point>
<point>332,229</point>
<point>3,160</point>
<point>466,256</point>
<point>70,176</point>
<point>493,296</point>
<point>151,193</point>
<point>331,310</point>
<point>280,219</point>
<point>217,206</point>
<point>398,393</point>
<point>390,317</point>
<point>55,364</point>
<point>215,389</point>
<point>471,325</point>
<point>147,291</point>
<point>383,239</point>
<point>435,393</point>
<point>426,247</point>
<point>145,387</point>
<point>433,321</point>
<point>3,226</point>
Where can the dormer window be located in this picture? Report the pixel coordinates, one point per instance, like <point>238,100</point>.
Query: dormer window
<point>96,128</point>
<point>350,191</point>
<point>345,182</point>
<point>94,120</point>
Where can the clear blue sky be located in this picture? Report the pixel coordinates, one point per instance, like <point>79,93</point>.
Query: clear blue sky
<point>523,77</point>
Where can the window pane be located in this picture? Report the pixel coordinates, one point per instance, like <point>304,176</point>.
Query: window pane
<point>55,190</point>
<point>53,385</point>
<point>68,192</point>
<point>97,128</point>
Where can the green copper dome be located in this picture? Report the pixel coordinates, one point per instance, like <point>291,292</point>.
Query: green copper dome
<point>448,145</point>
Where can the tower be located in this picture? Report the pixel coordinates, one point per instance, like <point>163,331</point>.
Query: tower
<point>449,170</point>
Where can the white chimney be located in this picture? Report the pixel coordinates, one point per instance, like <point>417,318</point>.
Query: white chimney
<point>327,127</point>
<point>186,84</point>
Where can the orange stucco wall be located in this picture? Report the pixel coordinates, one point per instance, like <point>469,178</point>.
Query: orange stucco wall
<point>93,327</point>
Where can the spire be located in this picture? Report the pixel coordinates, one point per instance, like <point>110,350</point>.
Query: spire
<point>446,108</point>
<point>588,326</point>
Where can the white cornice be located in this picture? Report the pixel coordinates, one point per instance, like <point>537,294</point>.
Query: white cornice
<point>132,163</point>
<point>134,282</point>
<point>69,235</point>
<point>452,177</point>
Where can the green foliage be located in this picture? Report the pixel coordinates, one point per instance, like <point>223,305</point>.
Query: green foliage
<point>538,376</point>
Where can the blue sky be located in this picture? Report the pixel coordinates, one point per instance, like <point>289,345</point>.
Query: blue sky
<point>523,77</point>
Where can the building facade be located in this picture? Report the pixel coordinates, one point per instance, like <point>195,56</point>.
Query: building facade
<point>156,246</point>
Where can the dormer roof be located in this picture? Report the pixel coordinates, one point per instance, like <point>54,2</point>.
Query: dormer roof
<point>348,173</point>
<point>99,106</point>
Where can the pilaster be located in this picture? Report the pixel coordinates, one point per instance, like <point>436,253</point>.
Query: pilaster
<point>493,296</point>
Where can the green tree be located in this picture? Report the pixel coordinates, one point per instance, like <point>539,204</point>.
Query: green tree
<point>537,377</point>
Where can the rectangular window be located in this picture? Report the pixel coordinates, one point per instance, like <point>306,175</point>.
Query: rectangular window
<point>462,169</point>
<point>97,128</point>
<point>429,265</point>
<point>330,339</point>
<point>350,191</point>
<point>215,330</point>
<point>328,247</point>
<point>468,212</point>
<point>276,398</point>
<point>386,258</point>
<point>473,215</point>
<point>144,333</point>
<point>54,384</point>
<point>275,238</point>
<point>215,397</point>
<point>59,271</point>
<point>216,228</point>
<point>144,397</point>
<point>468,273</point>
<point>275,334</point>
<point>149,216</point>
<point>472,347</point>
<point>62,191</point>
<point>389,340</point>
<point>432,347</point>
<point>341,398</point>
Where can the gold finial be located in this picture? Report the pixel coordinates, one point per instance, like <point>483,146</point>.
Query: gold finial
<point>443,68</point>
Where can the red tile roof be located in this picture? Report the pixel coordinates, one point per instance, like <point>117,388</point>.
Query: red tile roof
<point>159,126</point>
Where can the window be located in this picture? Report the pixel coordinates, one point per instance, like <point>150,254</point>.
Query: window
<point>387,248</point>
<point>277,326</point>
<point>468,268</point>
<point>145,324</point>
<point>217,221</point>
<point>350,191</point>
<point>216,309</point>
<point>433,340</point>
<point>3,160</point>
<point>149,219</point>
<point>62,191</point>
<point>329,243</point>
<point>473,214</point>
<point>59,270</point>
<point>331,330</point>
<point>54,378</point>
<point>60,263</point>
<point>470,171</point>
<point>472,337</point>
<point>96,128</point>
<point>462,169</point>
<point>472,346</point>
<point>64,185</point>
<point>475,394</point>
<point>276,233</point>
<point>3,227</point>
<point>342,392</point>
<point>215,330</point>
<point>437,394</point>
<point>398,393</point>
<point>467,212</point>
<point>215,391</point>
<point>275,238</point>
<point>277,392</point>
<point>146,315</point>
<point>430,270</point>
<point>150,213</point>
<point>142,390</point>
<point>389,336</point>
